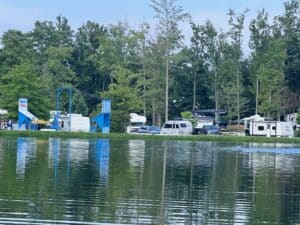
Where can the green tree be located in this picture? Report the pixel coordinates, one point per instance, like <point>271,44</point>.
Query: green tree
<point>16,47</point>
<point>169,16</point>
<point>124,98</point>
<point>289,25</point>
<point>207,37</point>
<point>298,117</point>
<point>23,81</point>
<point>58,66</point>
<point>271,80</point>
<point>259,41</point>
<point>154,81</point>
<point>237,25</point>
<point>87,41</point>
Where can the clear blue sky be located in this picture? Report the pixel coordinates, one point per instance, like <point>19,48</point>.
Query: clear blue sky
<point>21,14</point>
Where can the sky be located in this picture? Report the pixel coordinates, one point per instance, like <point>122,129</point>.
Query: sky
<point>21,14</point>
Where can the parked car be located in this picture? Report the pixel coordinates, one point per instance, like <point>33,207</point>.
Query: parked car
<point>149,130</point>
<point>177,127</point>
<point>211,129</point>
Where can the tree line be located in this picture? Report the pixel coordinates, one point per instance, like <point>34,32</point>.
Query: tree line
<point>159,75</point>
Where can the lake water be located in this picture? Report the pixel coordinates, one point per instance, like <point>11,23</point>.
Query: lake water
<point>102,181</point>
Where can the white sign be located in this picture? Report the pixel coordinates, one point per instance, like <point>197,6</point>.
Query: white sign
<point>23,104</point>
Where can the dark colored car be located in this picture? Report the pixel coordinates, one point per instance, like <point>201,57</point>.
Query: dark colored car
<point>149,130</point>
<point>211,129</point>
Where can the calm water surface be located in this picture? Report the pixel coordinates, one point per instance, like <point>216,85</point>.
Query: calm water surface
<point>101,181</point>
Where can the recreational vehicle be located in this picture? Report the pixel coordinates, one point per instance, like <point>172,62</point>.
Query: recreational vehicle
<point>259,126</point>
<point>203,121</point>
<point>177,127</point>
<point>136,121</point>
<point>71,122</point>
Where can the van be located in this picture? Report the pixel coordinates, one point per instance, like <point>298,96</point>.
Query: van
<point>177,127</point>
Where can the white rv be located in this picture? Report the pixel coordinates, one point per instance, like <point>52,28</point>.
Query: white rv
<point>201,122</point>
<point>71,122</point>
<point>136,121</point>
<point>177,127</point>
<point>75,122</point>
<point>258,126</point>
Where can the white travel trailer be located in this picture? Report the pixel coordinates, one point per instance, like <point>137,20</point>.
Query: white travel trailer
<point>71,122</point>
<point>201,122</point>
<point>136,121</point>
<point>177,127</point>
<point>258,126</point>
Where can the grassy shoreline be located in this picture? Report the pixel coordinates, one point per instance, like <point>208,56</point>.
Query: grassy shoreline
<point>81,135</point>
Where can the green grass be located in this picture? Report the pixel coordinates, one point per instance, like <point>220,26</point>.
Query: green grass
<point>81,135</point>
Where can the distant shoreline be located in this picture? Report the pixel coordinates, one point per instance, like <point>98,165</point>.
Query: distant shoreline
<point>82,135</point>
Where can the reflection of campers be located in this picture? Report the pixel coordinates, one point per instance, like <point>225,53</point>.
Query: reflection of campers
<point>136,121</point>
<point>177,127</point>
<point>258,126</point>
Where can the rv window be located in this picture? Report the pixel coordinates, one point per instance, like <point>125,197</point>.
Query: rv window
<point>167,125</point>
<point>177,126</point>
<point>261,128</point>
<point>273,128</point>
<point>62,124</point>
<point>182,125</point>
<point>136,124</point>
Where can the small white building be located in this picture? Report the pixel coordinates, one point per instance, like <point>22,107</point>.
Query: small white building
<point>259,126</point>
<point>71,122</point>
<point>136,121</point>
<point>74,122</point>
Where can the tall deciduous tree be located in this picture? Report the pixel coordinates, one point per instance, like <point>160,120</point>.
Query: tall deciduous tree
<point>205,38</point>
<point>16,48</point>
<point>124,98</point>
<point>237,25</point>
<point>259,42</point>
<point>87,41</point>
<point>271,79</point>
<point>289,24</point>
<point>169,16</point>
<point>23,81</point>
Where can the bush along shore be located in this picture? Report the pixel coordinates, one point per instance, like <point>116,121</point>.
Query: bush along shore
<point>82,135</point>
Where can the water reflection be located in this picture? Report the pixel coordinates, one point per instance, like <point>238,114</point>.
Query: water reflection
<point>26,150</point>
<point>74,153</point>
<point>136,149</point>
<point>101,157</point>
<point>68,181</point>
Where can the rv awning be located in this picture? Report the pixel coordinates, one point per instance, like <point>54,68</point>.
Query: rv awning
<point>3,112</point>
<point>42,122</point>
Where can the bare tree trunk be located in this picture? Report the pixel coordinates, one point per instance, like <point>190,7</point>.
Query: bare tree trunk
<point>216,91</point>
<point>153,112</point>
<point>159,120</point>
<point>270,99</point>
<point>238,94</point>
<point>167,88</point>
<point>194,93</point>
<point>256,97</point>
<point>144,91</point>
<point>216,95</point>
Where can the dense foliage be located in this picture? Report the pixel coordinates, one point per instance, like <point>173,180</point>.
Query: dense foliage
<point>158,76</point>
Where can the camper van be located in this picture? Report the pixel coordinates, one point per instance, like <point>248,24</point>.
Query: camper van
<point>258,126</point>
<point>177,127</point>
